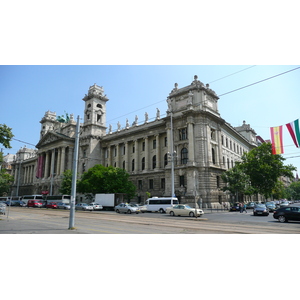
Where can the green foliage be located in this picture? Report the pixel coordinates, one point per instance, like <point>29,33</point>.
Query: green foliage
<point>5,181</point>
<point>264,169</point>
<point>66,185</point>
<point>293,191</point>
<point>237,182</point>
<point>5,135</point>
<point>100,179</point>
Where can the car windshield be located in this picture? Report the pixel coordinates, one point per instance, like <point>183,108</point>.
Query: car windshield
<point>187,206</point>
<point>260,205</point>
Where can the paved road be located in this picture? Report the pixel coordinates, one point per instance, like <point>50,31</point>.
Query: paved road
<point>52,221</point>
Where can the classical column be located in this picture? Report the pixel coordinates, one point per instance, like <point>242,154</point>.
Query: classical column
<point>62,160</point>
<point>127,166</point>
<point>191,157</point>
<point>146,153</point>
<point>136,156</point>
<point>58,161</point>
<point>52,162</point>
<point>70,158</point>
<point>46,174</point>
<point>157,152</point>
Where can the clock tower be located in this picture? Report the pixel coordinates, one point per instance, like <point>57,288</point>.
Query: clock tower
<point>94,127</point>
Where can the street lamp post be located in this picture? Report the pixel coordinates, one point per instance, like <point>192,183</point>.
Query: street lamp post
<point>74,177</point>
<point>173,153</point>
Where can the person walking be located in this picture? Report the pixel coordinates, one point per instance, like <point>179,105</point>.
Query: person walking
<point>245,208</point>
<point>241,207</point>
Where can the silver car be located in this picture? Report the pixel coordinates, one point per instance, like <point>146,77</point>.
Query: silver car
<point>83,206</point>
<point>96,206</point>
<point>127,208</point>
<point>63,205</point>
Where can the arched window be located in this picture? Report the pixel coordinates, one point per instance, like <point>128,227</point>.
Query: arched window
<point>184,156</point>
<point>123,164</point>
<point>154,162</point>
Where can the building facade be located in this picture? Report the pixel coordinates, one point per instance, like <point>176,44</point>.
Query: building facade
<point>192,139</point>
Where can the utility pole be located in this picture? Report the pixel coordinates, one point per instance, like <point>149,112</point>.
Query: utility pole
<point>74,177</point>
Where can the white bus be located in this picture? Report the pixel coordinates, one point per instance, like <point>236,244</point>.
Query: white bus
<point>58,199</point>
<point>160,204</point>
<point>25,198</point>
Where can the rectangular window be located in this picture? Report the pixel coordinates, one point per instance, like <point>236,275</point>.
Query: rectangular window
<point>154,144</point>
<point>140,184</point>
<point>181,180</point>
<point>166,142</point>
<point>143,146</point>
<point>183,134</point>
<point>151,185</point>
<point>163,183</point>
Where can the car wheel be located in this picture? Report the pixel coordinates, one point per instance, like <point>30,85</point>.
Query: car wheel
<point>172,213</point>
<point>117,211</point>
<point>191,214</point>
<point>282,219</point>
<point>161,211</point>
<point>129,211</point>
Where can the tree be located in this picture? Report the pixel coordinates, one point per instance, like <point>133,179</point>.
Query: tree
<point>5,135</point>
<point>100,179</point>
<point>66,184</point>
<point>264,169</point>
<point>237,182</point>
<point>5,181</point>
<point>293,190</point>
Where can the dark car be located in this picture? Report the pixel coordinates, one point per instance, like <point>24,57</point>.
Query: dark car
<point>260,210</point>
<point>234,207</point>
<point>285,214</point>
<point>271,206</point>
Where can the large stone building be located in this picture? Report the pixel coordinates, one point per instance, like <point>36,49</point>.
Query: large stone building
<point>201,147</point>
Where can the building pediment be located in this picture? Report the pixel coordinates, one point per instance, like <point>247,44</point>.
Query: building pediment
<point>53,137</point>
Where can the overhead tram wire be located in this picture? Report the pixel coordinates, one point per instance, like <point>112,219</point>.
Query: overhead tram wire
<point>232,74</point>
<point>164,100</point>
<point>23,142</point>
<point>258,82</point>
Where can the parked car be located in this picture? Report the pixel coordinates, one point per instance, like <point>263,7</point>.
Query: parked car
<point>250,205</point>
<point>271,206</point>
<point>260,209</point>
<point>285,214</point>
<point>96,206</point>
<point>2,208</point>
<point>83,206</point>
<point>234,207</point>
<point>183,210</point>
<point>35,203</point>
<point>63,205</point>
<point>51,205</point>
<point>127,208</point>
<point>284,204</point>
<point>23,204</point>
<point>142,208</point>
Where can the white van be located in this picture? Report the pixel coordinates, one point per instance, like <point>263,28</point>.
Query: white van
<point>160,204</point>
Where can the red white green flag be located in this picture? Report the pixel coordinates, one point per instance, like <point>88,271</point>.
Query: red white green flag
<point>294,131</point>
<point>276,138</point>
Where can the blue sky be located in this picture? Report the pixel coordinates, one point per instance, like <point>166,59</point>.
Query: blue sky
<point>27,92</point>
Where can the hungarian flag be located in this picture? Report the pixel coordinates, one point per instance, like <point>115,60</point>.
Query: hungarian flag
<point>276,137</point>
<point>294,131</point>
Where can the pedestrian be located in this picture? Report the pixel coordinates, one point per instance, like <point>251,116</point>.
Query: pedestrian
<point>245,208</point>
<point>241,207</point>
